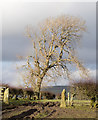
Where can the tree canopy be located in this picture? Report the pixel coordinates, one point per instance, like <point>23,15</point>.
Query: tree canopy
<point>85,89</point>
<point>54,47</point>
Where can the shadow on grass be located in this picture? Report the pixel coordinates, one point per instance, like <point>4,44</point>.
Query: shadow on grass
<point>23,114</point>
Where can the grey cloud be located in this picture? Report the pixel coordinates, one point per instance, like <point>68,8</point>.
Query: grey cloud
<point>87,56</point>
<point>16,17</point>
<point>14,46</point>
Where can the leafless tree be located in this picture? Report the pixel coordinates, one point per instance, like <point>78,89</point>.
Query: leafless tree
<point>53,48</point>
<point>85,88</point>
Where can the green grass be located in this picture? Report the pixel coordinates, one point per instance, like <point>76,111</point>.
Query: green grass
<point>18,102</point>
<point>81,101</point>
<point>23,101</point>
<point>46,100</point>
<point>79,105</point>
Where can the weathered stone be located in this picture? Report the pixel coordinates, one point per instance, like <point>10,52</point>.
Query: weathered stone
<point>71,100</point>
<point>1,94</point>
<point>68,99</point>
<point>63,102</point>
<point>6,96</point>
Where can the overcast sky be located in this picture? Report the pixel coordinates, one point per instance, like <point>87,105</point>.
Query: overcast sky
<point>16,16</point>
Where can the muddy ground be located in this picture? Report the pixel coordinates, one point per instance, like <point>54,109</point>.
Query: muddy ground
<point>29,111</point>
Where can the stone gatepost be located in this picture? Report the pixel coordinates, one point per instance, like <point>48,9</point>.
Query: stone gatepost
<point>4,95</point>
<point>68,99</point>
<point>71,100</point>
<point>1,94</point>
<point>63,101</point>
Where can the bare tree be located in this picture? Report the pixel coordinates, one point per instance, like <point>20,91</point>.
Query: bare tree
<point>85,89</point>
<point>54,45</point>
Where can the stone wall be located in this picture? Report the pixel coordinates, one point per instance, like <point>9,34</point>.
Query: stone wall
<point>4,95</point>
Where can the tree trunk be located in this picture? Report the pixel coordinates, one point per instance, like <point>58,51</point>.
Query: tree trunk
<point>39,88</point>
<point>38,93</point>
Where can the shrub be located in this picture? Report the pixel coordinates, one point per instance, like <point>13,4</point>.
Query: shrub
<point>47,95</point>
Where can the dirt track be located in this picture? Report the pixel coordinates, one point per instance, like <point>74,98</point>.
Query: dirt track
<point>45,110</point>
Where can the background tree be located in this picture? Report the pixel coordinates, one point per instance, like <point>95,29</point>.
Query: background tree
<point>54,44</point>
<point>47,95</point>
<point>58,96</point>
<point>85,89</point>
<point>28,92</point>
<point>15,92</point>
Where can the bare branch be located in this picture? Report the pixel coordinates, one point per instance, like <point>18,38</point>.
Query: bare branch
<point>54,46</point>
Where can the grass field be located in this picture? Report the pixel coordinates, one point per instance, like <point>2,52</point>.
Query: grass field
<point>21,101</point>
<point>23,108</point>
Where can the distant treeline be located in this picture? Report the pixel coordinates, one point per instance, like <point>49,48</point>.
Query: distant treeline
<point>82,90</point>
<point>26,93</point>
<point>85,89</point>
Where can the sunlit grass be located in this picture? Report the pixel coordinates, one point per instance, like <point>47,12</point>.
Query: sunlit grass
<point>23,101</point>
